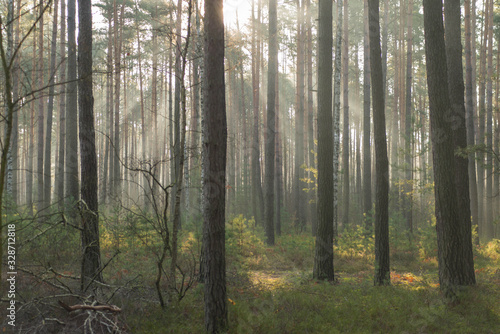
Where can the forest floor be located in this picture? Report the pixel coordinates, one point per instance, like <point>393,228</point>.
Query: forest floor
<point>270,289</point>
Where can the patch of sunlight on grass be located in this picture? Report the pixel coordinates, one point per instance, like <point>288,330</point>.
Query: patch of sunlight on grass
<point>269,280</point>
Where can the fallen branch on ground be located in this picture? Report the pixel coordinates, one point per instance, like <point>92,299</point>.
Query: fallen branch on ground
<point>111,308</point>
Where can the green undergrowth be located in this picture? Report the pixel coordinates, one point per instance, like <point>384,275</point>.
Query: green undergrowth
<point>271,290</point>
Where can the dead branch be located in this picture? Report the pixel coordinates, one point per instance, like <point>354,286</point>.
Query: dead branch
<point>111,308</point>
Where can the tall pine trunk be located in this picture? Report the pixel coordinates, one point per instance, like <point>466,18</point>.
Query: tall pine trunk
<point>47,182</point>
<point>382,263</point>
<point>336,116</point>
<point>71,161</point>
<point>271,110</point>
<point>214,169</point>
<point>40,116</point>
<point>345,133</point>
<point>367,161</point>
<point>470,114</point>
<point>91,266</point>
<point>453,266</point>
<point>59,179</point>
<point>456,88</point>
<point>488,222</point>
<point>323,256</point>
<point>408,193</point>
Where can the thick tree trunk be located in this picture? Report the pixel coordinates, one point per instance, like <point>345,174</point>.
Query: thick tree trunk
<point>382,263</point>
<point>214,170</point>
<point>453,264</point>
<point>456,88</point>
<point>91,266</point>
<point>323,256</point>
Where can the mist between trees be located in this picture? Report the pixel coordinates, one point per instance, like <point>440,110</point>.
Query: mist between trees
<point>152,153</point>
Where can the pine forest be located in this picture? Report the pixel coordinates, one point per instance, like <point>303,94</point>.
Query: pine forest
<point>249,166</point>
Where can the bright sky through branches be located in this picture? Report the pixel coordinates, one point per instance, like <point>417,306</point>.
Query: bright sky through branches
<point>237,10</point>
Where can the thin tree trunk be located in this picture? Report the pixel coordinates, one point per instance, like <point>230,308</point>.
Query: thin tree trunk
<point>71,161</point>
<point>408,193</point>
<point>41,106</point>
<point>488,223</point>
<point>470,115</point>
<point>117,76</point>
<point>345,133</point>
<point>481,128</point>
<point>59,179</point>
<point>278,167</point>
<point>270,130</point>
<point>336,116</point>
<point>257,197</point>
<point>310,119</point>
<point>367,161</point>
<point>47,183</point>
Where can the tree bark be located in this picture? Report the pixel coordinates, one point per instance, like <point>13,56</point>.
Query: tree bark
<point>214,169</point>
<point>367,157</point>
<point>470,114</point>
<point>488,222</point>
<point>257,197</point>
<point>40,116</point>
<point>312,196</point>
<point>336,115</point>
<point>481,113</point>
<point>71,161</point>
<point>345,132</point>
<point>47,182</point>
<point>91,266</point>
<point>382,262</point>
<point>456,88</point>
<point>323,256</point>
<point>453,267</point>
<point>59,179</point>
<point>299,124</point>
<point>271,110</point>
